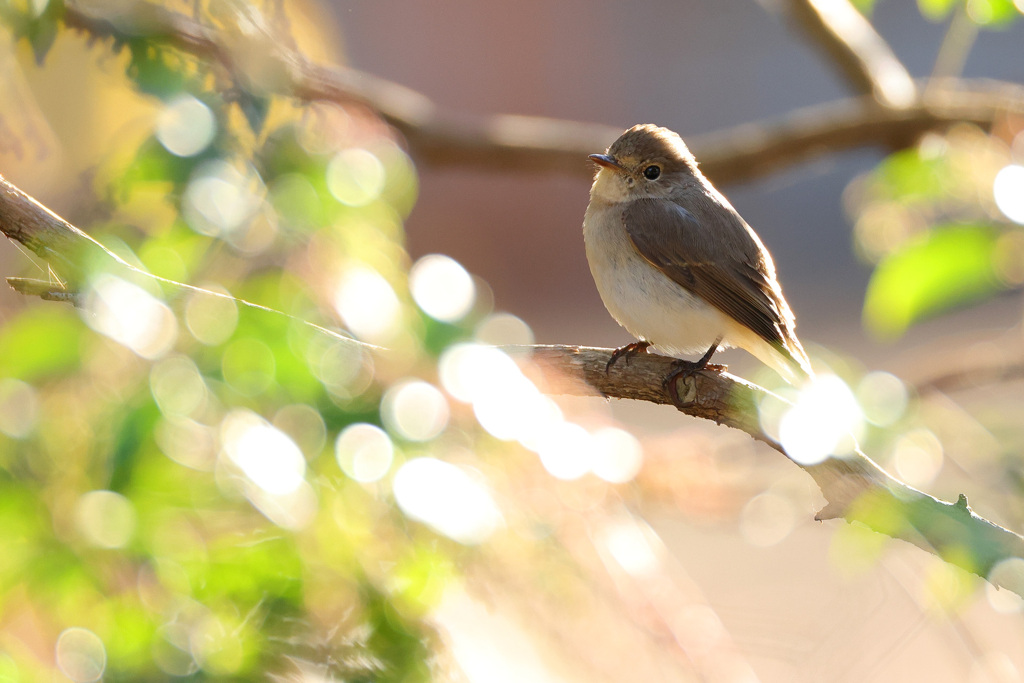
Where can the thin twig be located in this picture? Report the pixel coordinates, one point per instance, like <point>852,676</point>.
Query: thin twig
<point>956,45</point>
<point>856,49</point>
<point>73,255</point>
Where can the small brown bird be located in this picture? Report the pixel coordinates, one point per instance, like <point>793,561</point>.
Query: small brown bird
<point>677,266</point>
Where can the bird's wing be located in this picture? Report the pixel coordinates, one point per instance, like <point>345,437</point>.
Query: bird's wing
<point>738,279</point>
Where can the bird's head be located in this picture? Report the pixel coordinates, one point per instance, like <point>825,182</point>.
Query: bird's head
<point>646,161</point>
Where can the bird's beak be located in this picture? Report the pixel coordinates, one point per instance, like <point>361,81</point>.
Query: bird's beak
<point>606,160</point>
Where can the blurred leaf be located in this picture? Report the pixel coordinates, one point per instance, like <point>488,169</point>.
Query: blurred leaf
<point>43,31</point>
<point>908,176</point>
<point>37,25</point>
<point>935,9</point>
<point>865,7</point>
<point>992,13</point>
<point>133,431</point>
<point>154,164</point>
<point>397,641</point>
<point>950,266</point>
<point>254,108</point>
<point>42,341</point>
<point>156,70</point>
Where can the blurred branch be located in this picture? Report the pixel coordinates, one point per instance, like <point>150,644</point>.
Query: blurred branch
<point>856,49</point>
<point>956,44</point>
<point>531,143</point>
<point>854,487</point>
<point>971,378</point>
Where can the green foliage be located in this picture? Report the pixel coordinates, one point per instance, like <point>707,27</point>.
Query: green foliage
<point>38,24</point>
<point>40,343</point>
<point>926,216</point>
<point>158,70</point>
<point>949,266</point>
<point>936,9</point>
<point>128,507</point>
<point>864,6</point>
<point>984,13</point>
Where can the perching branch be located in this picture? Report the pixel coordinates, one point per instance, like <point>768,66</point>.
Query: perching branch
<point>855,488</point>
<point>856,49</point>
<point>255,59</point>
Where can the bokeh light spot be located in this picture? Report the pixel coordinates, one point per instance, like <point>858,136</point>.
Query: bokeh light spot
<point>355,177</point>
<point>368,304</point>
<point>81,655</point>
<point>566,451</point>
<point>1008,189</point>
<point>105,519</point>
<point>220,198</point>
<point>265,454</point>
<point>211,319</point>
<point>822,421</point>
<point>442,287</point>
<point>177,386</point>
<point>447,499</point>
<point>617,455</point>
<point>917,457</point>
<point>364,452</point>
<point>882,397</point>
<point>19,408</point>
<point>186,126</point>
<point>415,410</point>
<point>305,425</point>
<point>767,519</point>
<point>187,442</point>
<point>131,316</point>
<point>273,468</point>
<point>501,329</point>
<point>342,367</point>
<point>633,546</point>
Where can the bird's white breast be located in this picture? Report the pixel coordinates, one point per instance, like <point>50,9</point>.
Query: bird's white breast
<point>642,298</point>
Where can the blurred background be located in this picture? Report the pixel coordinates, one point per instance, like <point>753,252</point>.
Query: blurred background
<point>198,490</point>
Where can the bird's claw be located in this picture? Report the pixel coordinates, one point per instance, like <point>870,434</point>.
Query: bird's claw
<point>683,370</point>
<point>629,350</point>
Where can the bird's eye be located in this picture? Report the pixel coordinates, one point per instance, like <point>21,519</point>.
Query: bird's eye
<point>652,172</point>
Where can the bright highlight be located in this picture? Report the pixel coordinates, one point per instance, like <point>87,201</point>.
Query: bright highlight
<point>442,287</point>
<point>820,424</point>
<point>446,498</point>
<point>131,316</point>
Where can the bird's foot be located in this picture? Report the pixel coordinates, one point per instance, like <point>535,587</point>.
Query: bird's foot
<point>629,350</point>
<point>685,369</point>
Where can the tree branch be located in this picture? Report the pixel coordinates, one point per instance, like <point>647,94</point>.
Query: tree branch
<point>531,143</point>
<point>855,487</point>
<point>856,49</point>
